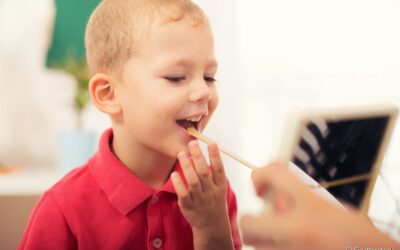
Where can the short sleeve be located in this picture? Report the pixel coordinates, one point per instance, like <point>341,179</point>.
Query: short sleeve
<point>47,227</point>
<point>232,209</point>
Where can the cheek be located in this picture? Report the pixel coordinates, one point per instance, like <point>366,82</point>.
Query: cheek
<point>170,104</point>
<point>162,112</point>
<point>212,105</point>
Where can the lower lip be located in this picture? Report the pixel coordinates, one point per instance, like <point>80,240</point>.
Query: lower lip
<point>185,132</point>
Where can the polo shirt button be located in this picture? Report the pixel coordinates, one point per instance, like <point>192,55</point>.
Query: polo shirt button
<point>157,243</point>
<point>154,199</point>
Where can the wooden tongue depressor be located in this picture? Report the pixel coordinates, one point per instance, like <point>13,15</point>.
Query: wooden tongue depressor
<point>325,185</point>
<point>205,139</point>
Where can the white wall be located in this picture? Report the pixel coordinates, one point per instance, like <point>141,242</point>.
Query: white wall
<point>313,53</point>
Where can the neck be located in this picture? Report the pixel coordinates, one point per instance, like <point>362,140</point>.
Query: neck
<point>150,166</point>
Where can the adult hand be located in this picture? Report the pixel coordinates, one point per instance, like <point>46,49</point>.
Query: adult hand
<point>300,219</point>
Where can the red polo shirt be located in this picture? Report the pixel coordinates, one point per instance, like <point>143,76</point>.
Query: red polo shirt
<point>104,206</point>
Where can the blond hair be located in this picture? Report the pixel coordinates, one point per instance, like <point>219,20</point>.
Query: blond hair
<point>117,28</point>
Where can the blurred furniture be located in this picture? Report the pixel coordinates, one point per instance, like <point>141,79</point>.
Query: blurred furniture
<point>19,191</point>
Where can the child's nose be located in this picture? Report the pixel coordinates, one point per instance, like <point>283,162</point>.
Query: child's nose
<point>200,92</point>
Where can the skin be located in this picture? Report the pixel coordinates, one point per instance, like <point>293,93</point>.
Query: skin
<point>203,199</point>
<point>302,220</point>
<point>171,78</point>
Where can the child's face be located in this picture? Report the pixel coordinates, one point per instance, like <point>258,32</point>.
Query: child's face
<point>170,80</point>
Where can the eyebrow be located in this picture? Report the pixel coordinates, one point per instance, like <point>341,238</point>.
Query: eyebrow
<point>183,62</point>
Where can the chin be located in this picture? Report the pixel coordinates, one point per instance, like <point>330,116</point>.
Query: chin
<point>180,148</point>
<point>173,150</point>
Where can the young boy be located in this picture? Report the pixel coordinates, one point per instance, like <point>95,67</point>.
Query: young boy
<point>152,66</point>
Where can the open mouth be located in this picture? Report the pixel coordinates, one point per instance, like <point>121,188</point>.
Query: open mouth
<point>189,123</point>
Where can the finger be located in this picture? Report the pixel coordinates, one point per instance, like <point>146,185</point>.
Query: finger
<point>282,203</point>
<point>201,166</point>
<point>265,229</point>
<point>194,185</point>
<point>180,188</point>
<point>217,167</point>
<point>277,177</point>
<point>263,177</point>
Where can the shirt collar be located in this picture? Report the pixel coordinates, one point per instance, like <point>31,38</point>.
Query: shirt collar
<point>124,190</point>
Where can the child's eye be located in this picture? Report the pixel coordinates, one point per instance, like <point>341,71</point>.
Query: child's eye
<point>175,79</point>
<point>209,79</point>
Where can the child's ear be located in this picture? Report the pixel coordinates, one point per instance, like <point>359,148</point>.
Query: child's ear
<point>104,95</point>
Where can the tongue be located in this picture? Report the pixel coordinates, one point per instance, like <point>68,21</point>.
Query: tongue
<point>185,123</point>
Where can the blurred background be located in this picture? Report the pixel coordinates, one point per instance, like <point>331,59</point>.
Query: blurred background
<point>274,57</point>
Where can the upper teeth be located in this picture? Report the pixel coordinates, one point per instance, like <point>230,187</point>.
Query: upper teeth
<point>195,119</point>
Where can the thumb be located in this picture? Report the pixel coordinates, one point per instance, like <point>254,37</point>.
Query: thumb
<point>276,177</point>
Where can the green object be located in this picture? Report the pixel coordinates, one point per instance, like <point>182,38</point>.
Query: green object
<point>67,51</point>
<point>78,68</point>
<point>69,29</point>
